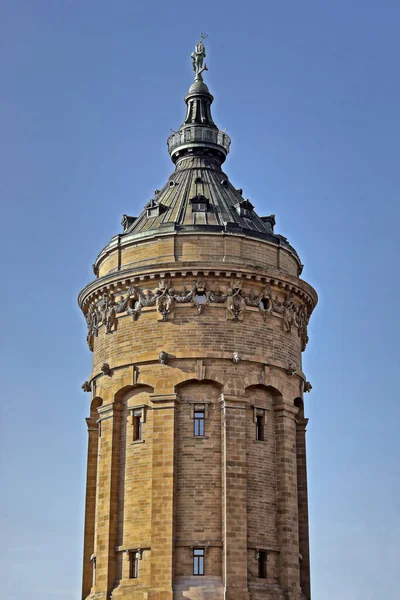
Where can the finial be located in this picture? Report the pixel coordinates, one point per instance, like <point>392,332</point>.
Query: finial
<point>198,57</point>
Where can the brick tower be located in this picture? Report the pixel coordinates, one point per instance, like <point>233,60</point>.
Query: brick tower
<point>197,319</point>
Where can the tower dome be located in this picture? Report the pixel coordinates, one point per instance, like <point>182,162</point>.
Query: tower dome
<point>197,319</point>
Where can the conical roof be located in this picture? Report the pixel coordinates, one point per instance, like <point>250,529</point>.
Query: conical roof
<point>198,195</point>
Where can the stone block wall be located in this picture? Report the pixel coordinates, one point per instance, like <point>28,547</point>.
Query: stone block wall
<point>170,492</point>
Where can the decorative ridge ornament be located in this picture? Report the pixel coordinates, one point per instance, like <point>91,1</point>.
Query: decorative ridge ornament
<point>198,57</point>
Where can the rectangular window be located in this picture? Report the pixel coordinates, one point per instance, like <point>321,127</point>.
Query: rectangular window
<point>198,561</point>
<point>260,428</point>
<point>137,425</point>
<point>199,420</point>
<point>133,565</point>
<point>262,564</point>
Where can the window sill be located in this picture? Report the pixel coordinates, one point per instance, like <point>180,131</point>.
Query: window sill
<point>137,442</point>
<point>259,441</point>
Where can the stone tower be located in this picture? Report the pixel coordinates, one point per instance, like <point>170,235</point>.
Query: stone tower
<point>197,319</point>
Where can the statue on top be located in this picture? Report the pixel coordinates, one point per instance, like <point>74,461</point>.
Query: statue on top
<point>198,57</point>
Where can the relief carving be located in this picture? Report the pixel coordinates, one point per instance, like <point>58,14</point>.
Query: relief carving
<point>200,296</point>
<point>288,313</point>
<point>163,357</point>
<point>93,321</point>
<point>307,386</point>
<point>107,312</point>
<point>235,302</point>
<point>164,298</point>
<point>263,301</point>
<point>106,369</point>
<point>302,319</point>
<point>86,387</point>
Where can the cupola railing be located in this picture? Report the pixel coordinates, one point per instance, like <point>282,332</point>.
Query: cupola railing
<point>190,135</point>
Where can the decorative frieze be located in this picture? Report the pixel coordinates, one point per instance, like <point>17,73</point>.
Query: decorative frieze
<point>165,298</point>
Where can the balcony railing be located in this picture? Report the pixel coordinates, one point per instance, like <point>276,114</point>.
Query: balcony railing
<point>190,135</point>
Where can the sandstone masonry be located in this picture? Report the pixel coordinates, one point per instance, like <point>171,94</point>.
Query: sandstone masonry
<point>197,319</point>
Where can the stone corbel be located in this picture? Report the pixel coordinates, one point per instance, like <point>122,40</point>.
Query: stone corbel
<point>86,387</point>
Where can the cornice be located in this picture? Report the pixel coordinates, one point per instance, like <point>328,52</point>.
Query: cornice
<point>120,241</point>
<point>119,281</point>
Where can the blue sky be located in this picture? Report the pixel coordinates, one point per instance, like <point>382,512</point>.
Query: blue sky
<point>310,94</point>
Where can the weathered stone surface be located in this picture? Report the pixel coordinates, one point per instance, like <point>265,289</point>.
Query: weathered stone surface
<point>182,321</point>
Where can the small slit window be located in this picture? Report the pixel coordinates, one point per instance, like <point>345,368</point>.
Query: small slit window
<point>198,561</point>
<point>199,421</point>
<point>260,422</point>
<point>93,559</point>
<point>137,425</point>
<point>260,428</point>
<point>262,564</point>
<point>133,565</point>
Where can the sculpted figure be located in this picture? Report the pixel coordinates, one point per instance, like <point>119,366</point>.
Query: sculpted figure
<point>108,314</point>
<point>200,295</point>
<point>302,319</point>
<point>164,299</point>
<point>198,57</point>
<point>146,297</point>
<point>93,319</point>
<point>288,314</point>
<point>235,303</point>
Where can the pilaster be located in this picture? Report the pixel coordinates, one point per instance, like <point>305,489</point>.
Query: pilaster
<point>234,500</point>
<point>287,507</point>
<point>107,500</point>
<point>162,542</point>
<point>303,507</point>
<point>90,507</point>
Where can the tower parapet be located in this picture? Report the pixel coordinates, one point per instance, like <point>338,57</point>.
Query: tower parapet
<point>197,320</point>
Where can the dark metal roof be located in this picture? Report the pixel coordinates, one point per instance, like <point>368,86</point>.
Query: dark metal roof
<point>199,176</point>
<point>199,196</point>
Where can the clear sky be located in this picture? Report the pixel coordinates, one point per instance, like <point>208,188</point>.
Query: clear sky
<point>310,94</point>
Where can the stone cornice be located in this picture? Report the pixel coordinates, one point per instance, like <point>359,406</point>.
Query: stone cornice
<point>118,242</point>
<point>120,280</point>
<point>212,356</point>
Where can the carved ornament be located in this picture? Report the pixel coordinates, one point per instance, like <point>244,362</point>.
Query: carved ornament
<point>164,297</point>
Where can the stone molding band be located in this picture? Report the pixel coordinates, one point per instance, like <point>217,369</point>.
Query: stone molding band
<point>121,280</point>
<point>289,370</point>
<point>165,299</point>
